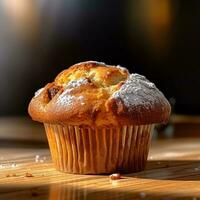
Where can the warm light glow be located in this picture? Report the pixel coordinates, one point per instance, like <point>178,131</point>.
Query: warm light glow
<point>23,15</point>
<point>159,21</point>
<point>154,19</point>
<point>16,8</point>
<point>159,13</point>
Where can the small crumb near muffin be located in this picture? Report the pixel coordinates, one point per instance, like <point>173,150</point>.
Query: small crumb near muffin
<point>151,158</point>
<point>37,158</point>
<point>196,168</point>
<point>11,175</point>
<point>115,176</point>
<point>142,195</point>
<point>28,174</point>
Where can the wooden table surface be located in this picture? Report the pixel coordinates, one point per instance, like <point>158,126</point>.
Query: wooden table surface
<point>26,172</point>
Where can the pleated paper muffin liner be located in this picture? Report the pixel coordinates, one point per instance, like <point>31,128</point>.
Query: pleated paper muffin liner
<point>85,150</point>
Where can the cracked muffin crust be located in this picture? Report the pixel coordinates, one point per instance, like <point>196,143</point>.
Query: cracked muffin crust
<point>95,94</point>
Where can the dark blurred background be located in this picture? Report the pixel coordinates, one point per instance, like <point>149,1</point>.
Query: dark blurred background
<point>157,38</point>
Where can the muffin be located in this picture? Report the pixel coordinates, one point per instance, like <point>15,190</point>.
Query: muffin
<point>99,118</point>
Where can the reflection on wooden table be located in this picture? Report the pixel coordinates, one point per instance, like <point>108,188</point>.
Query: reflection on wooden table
<point>26,172</point>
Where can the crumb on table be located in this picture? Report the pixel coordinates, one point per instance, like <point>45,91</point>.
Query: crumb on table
<point>28,174</point>
<point>115,176</point>
<point>11,175</point>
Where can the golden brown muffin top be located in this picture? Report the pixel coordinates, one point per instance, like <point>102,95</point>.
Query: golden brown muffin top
<point>95,94</point>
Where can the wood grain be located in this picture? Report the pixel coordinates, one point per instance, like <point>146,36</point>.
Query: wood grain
<point>172,172</point>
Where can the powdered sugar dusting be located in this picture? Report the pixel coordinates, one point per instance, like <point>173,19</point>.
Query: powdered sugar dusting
<point>137,90</point>
<point>38,92</point>
<point>66,99</point>
<point>77,83</point>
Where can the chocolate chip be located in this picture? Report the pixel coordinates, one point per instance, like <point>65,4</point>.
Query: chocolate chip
<point>53,91</point>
